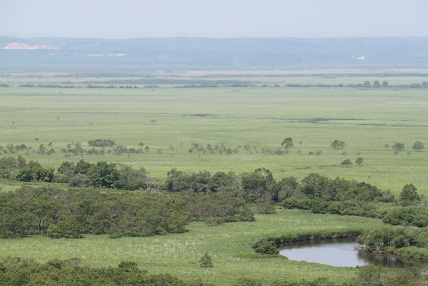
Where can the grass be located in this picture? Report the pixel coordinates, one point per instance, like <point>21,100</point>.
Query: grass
<point>229,245</point>
<point>170,119</point>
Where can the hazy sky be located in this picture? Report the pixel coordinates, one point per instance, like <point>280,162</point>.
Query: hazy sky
<point>213,18</point>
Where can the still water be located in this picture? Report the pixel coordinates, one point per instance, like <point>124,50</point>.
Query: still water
<point>342,253</point>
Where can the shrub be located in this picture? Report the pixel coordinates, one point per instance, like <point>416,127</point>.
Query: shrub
<point>265,246</point>
<point>65,229</point>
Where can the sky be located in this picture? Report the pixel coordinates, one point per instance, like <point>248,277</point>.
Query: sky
<point>213,18</point>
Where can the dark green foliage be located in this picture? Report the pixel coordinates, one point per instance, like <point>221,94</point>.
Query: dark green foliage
<point>246,282</point>
<point>71,213</point>
<point>323,195</point>
<point>78,180</point>
<point>130,179</point>
<point>65,229</point>
<point>379,239</point>
<point>265,246</point>
<point>264,204</point>
<point>409,195</point>
<point>20,272</point>
<point>206,261</point>
<point>257,183</point>
<point>287,143</point>
<point>10,165</point>
<point>103,174</point>
<point>178,181</point>
<point>359,161</point>
<point>101,143</point>
<point>374,275</point>
<point>226,182</point>
<point>418,146</point>
<point>346,162</point>
<point>338,144</point>
<point>83,167</point>
<point>33,171</point>
<point>398,147</point>
<point>286,188</point>
<point>416,216</point>
<point>246,214</point>
<point>216,208</point>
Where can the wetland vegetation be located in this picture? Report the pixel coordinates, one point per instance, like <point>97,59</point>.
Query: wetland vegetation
<point>179,166</point>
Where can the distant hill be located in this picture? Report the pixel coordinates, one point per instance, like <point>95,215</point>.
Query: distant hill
<point>213,53</point>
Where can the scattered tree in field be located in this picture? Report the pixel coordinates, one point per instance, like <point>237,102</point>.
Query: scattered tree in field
<point>409,195</point>
<point>418,146</point>
<point>385,83</point>
<point>287,143</point>
<point>398,147</point>
<point>359,161</point>
<point>367,84</point>
<point>376,84</point>
<point>338,144</point>
<point>346,163</point>
<point>206,261</point>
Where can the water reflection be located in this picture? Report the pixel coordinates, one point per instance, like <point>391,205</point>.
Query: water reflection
<point>342,253</point>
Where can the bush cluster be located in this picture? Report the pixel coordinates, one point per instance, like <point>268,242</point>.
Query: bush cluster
<point>390,238</point>
<point>71,213</point>
<point>16,271</point>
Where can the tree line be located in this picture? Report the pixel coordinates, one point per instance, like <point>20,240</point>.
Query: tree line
<point>74,212</point>
<point>317,193</point>
<point>21,272</point>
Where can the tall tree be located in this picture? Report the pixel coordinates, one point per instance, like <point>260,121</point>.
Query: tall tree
<point>409,195</point>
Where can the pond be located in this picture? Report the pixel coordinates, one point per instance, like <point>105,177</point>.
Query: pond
<point>343,253</point>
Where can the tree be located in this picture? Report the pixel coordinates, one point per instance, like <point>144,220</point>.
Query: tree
<point>398,146</point>
<point>33,171</point>
<point>103,174</point>
<point>338,144</point>
<point>385,83</point>
<point>206,261</point>
<point>265,246</point>
<point>409,195</point>
<point>346,163</point>
<point>418,146</point>
<point>257,183</point>
<point>359,161</point>
<point>376,84</point>
<point>287,143</point>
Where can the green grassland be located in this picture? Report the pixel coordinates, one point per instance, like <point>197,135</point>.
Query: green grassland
<point>228,244</point>
<point>168,119</point>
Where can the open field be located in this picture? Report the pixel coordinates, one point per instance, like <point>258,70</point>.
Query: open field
<point>253,120</point>
<point>238,121</point>
<point>228,244</point>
